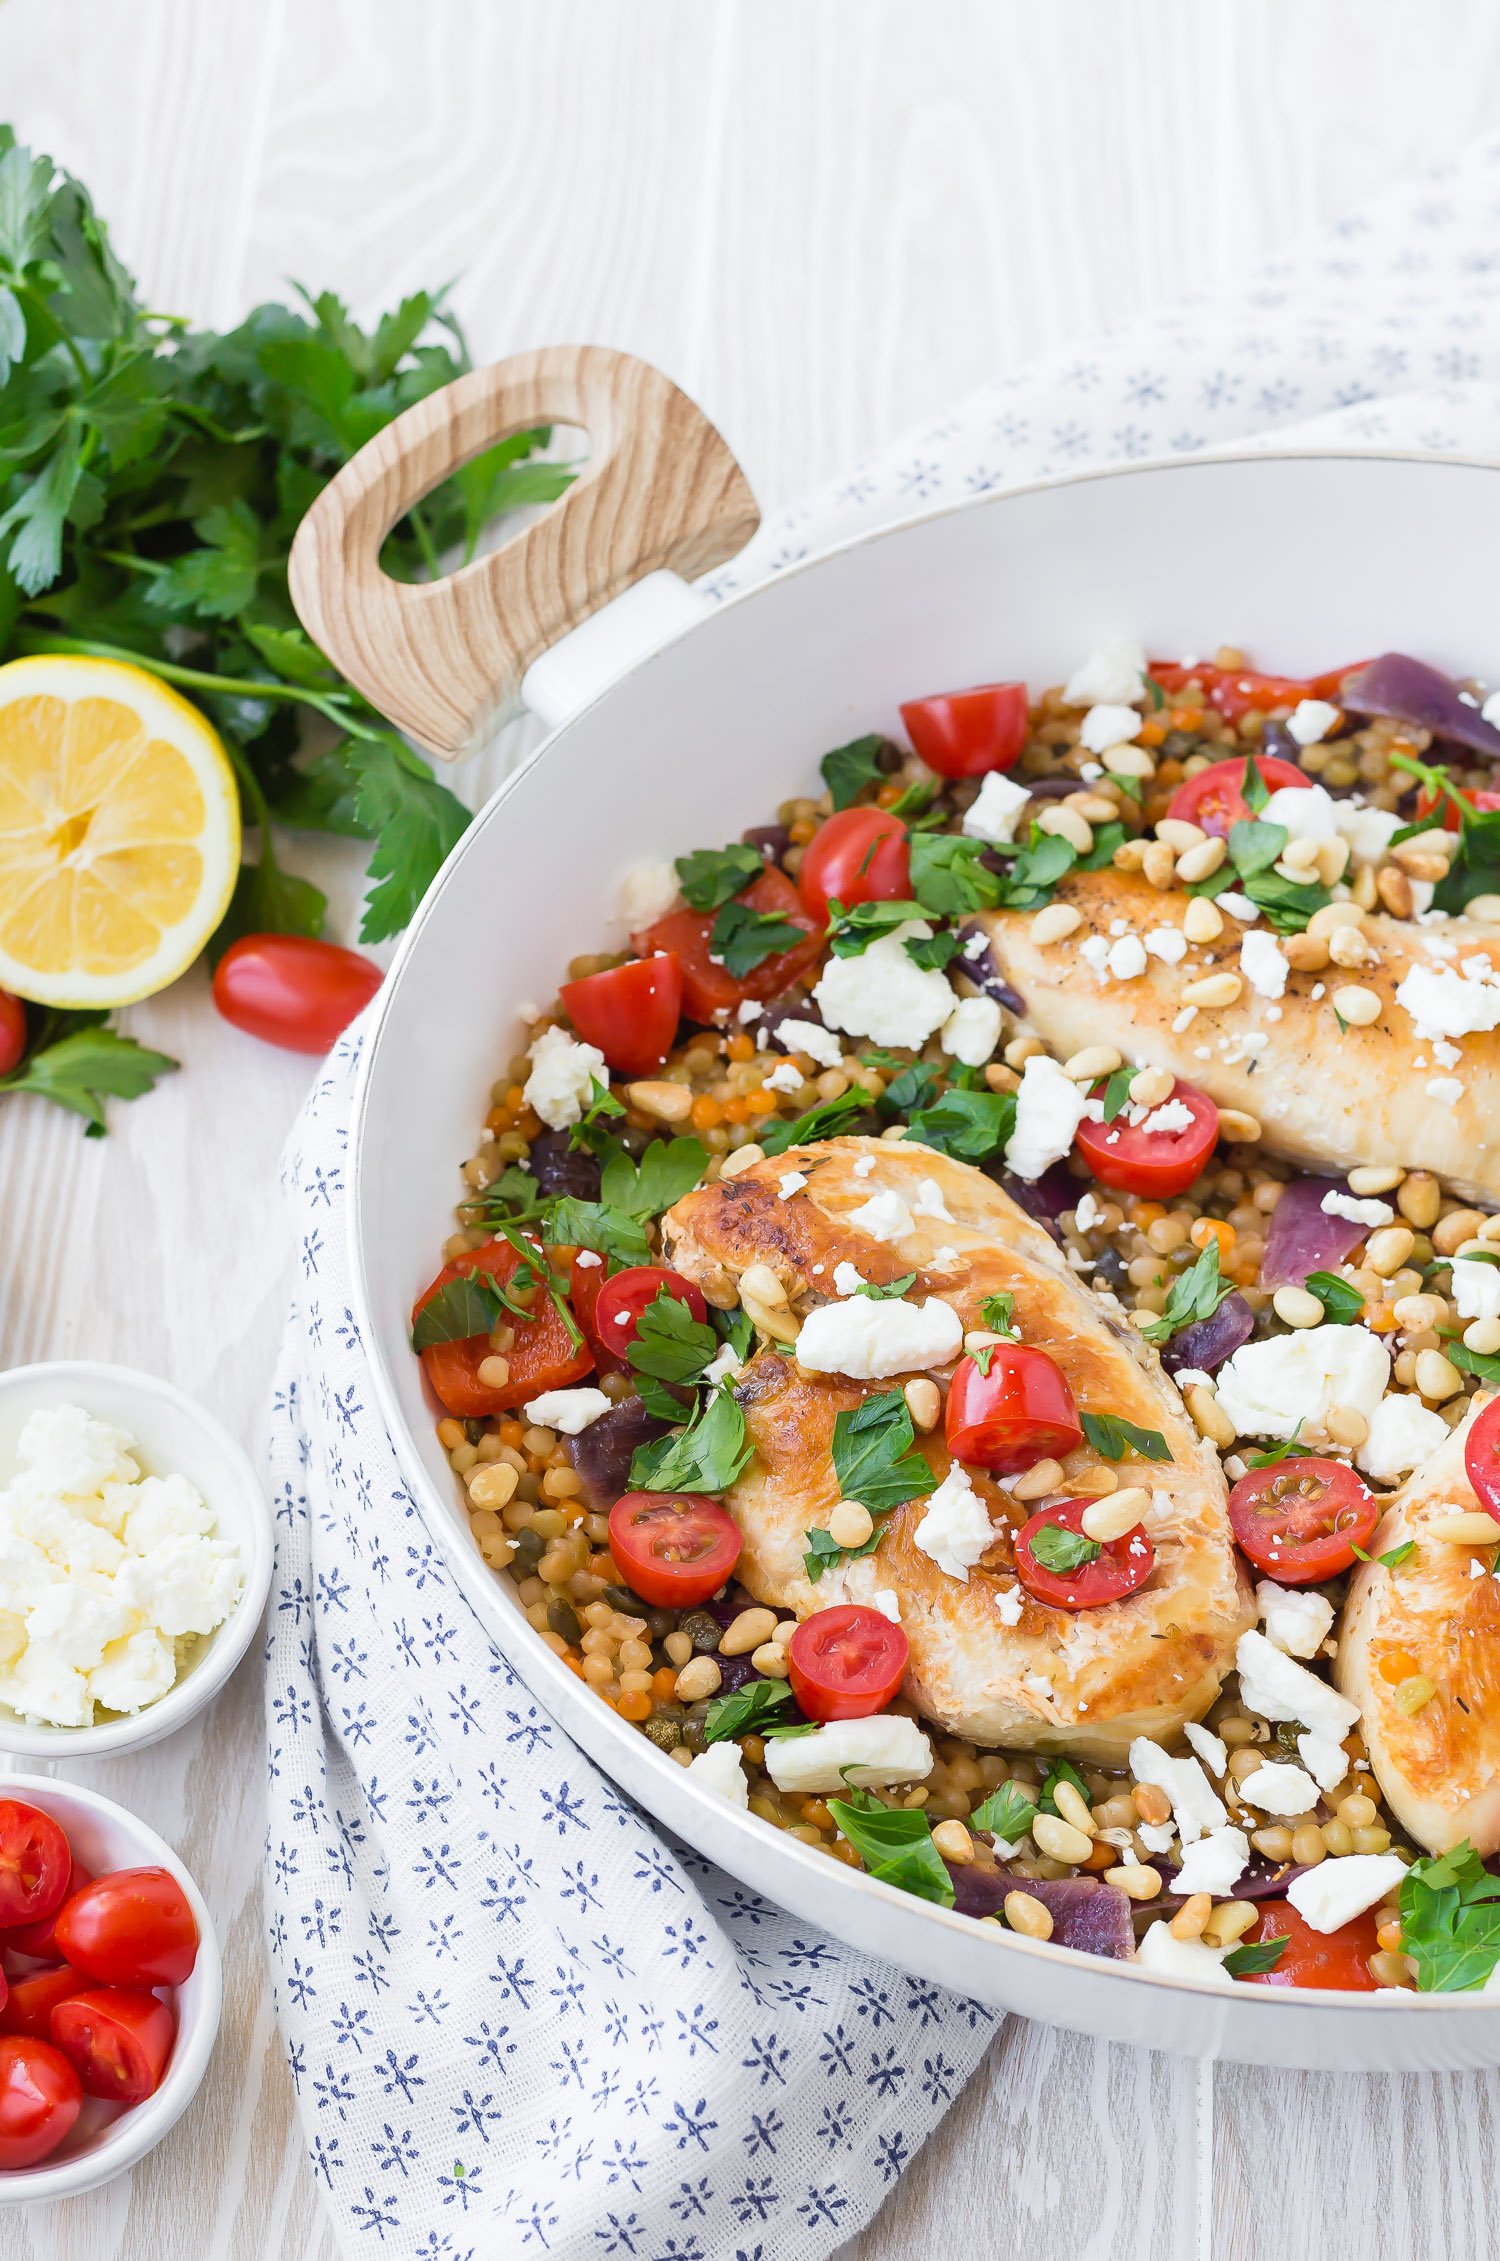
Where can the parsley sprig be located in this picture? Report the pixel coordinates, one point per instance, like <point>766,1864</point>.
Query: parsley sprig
<point>1450,1920</point>
<point>875,1462</point>
<point>895,1844</point>
<point>1194,1294</point>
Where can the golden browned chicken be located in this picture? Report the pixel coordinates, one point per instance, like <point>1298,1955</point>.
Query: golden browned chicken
<point>1433,1621</point>
<point>986,1660</point>
<point>1378,1093</point>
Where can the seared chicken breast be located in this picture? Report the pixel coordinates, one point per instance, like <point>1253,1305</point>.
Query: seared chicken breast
<point>1327,1099</point>
<point>1432,1618</point>
<point>987,1661</point>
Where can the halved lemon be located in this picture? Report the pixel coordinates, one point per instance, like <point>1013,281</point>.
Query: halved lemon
<point>119,832</point>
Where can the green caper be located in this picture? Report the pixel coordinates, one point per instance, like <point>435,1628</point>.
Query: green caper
<point>622,1599</point>
<point>528,1554</point>
<point>474,1430</point>
<point>659,1623</point>
<point>695,1733</point>
<point>563,1619</point>
<point>702,1630</point>
<point>665,1733</point>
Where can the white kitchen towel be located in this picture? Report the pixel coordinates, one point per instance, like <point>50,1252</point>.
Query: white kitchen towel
<point>519,2017</point>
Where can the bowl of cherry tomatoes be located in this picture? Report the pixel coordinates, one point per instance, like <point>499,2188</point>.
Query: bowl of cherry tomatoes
<point>110,1989</point>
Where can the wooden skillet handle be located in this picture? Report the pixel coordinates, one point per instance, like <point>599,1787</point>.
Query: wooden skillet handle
<point>444,658</point>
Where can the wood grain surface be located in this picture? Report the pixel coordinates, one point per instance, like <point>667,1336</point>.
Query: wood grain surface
<point>825,219</point>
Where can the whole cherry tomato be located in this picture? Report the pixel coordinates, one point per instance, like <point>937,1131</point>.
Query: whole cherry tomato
<point>846,1663</point>
<point>1300,1520</point>
<point>133,1927</point>
<point>1018,1412</point>
<point>12,1031</point>
<point>1133,1158</point>
<point>674,1549</point>
<point>1482,1457</point>
<point>290,990</point>
<point>31,2001</point>
<point>40,1939</point>
<point>621,1301</point>
<point>35,1864</point>
<point>542,1357</point>
<point>630,1012</point>
<point>1213,800</point>
<point>708,987</point>
<point>965,733</point>
<point>1316,1958</point>
<point>859,855</point>
<point>117,2039</point>
<point>40,2098</point>
<point>1076,1578</point>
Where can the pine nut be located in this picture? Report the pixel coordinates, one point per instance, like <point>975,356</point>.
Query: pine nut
<point>679,1646</point>
<point>953,1842</point>
<point>492,1484</point>
<point>668,1102</point>
<point>699,1677</point>
<point>1129,856</point>
<point>1436,1376</point>
<point>760,1282</point>
<point>1419,1199</point>
<point>1346,1425</point>
<point>1476,1529</point>
<point>1068,825</point>
<point>1331,918</point>
<point>1239,1128</point>
<point>1209,1418</point>
<point>1021,1049</point>
<point>1414,1313</point>
<point>1158,864</point>
<point>1142,1883</point>
<point>494,1371</point>
<point>1230,1921</point>
<point>1152,1803</point>
<point>1332,861</point>
<point>1297,1307</point>
<point>1191,1917</point>
<point>1484,908</point>
<point>1093,1061</point>
<point>1394,889</point>
<point>1375,1177</point>
<point>770,1659</point>
<point>1180,835</point>
<point>1149,1087</point>
<point>1202,921</point>
<point>1201,862</point>
<point>1457,1227</point>
<point>1111,1517</point>
<point>1128,761</point>
<point>1215,989</point>
<point>1073,1808</point>
<point>1347,947</point>
<point>748,1630</point>
<point>1300,857</point>
<point>1359,1007</point>
<point>1093,807</point>
<point>1387,1250</point>
<point>1059,1841</point>
<point>1028,1916</point>
<point>1305,953</point>
<point>1054,922</point>
<point>743,1158</point>
<point>1483,1336</point>
<point>924,1402</point>
<point>1043,1477</point>
<point>1423,848</point>
<point>850,1524</point>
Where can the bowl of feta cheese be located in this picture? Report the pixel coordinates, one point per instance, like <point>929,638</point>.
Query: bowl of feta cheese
<point>135,1558</point>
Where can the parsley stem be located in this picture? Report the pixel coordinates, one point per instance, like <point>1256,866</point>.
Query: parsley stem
<point>333,706</point>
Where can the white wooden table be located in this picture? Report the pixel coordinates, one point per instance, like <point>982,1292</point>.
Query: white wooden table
<point>825,218</point>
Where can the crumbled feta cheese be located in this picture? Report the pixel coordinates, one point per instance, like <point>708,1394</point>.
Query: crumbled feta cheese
<point>1184,1019</point>
<point>1049,1109</point>
<point>1168,943</point>
<point>133,1672</point>
<point>749,1009</point>
<point>723,1367</point>
<point>996,809</point>
<point>1444,1001</point>
<point>1196,1805</point>
<point>1127,958</point>
<point>955,1530</point>
<point>1158,1838</point>
<point>1368,831</point>
<point>1211,1748</point>
<point>1325,1760</point>
<point>1446,1090</point>
<point>1268,1388</point>
<point>884,1216</point>
<point>1338,1890</point>
<point>1278,1789</point>
<point>872,1753</point>
<point>869,1339</point>
<point>1105,726</point>
<point>972,1030</point>
<point>819,1044</point>
<point>719,1769</point>
<point>1263,964</point>
<point>1171,1115</point>
<point>1114,675</point>
<point>1297,1619</point>
<point>1161,1951</point>
<point>1276,1686</point>
<point>1009,1601</point>
<point>863,1167</point>
<point>1476,1287</point>
<point>1094,951</point>
<point>881,994</point>
<point>1087,1214</point>
<point>569,1412</point>
<point>1402,1432</point>
<point>1214,1864</point>
<point>647,892</point>
<point>790,1182</point>
<point>1491,709</point>
<point>588,1259</point>
<point>1311,720</point>
<point>1306,812</point>
<point>785,1076</point>
<point>1238,906</point>
<point>847,1278</point>
<point>1191,1378</point>
<point>887,1602</point>
<point>563,1074</point>
<point>1355,1211</point>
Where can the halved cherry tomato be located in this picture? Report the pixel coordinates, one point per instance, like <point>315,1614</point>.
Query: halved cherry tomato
<point>1315,1958</point>
<point>291,990</point>
<point>965,733</point>
<point>117,2039</point>
<point>543,1356</point>
<point>630,1012</point>
<point>40,2098</point>
<point>1020,1412</point>
<point>133,1927</point>
<point>1300,1520</point>
<point>12,1031</point>
<point>586,1280</point>
<point>1120,1566</point>
<point>1237,691</point>
<point>673,1548</point>
<point>846,1663</point>
<point>1213,800</point>
<point>31,2001</point>
<point>859,855</point>
<point>1484,799</point>
<point>620,1302</point>
<point>35,1864</point>
<point>40,1939</point>
<point>709,988</point>
<point>1133,1159</point>
<point>1482,1457</point>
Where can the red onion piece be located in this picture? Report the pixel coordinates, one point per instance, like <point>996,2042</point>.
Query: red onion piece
<point>1303,1238</point>
<point>983,971</point>
<point>1206,1344</point>
<point>602,1452</point>
<point>1092,1916</point>
<point>1411,691</point>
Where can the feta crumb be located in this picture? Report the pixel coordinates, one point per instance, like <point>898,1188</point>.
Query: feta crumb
<point>1087,1214</point>
<point>1402,1432</point>
<point>874,1753</point>
<point>1009,1601</point>
<point>1049,1109</point>
<point>819,1044</point>
<point>1170,1957</point>
<point>863,1167</point>
<point>1279,1789</point>
<point>1306,812</point>
<point>1268,1387</point>
<point>1356,1212</point>
<point>1338,1890</point>
<point>1476,1287</point>
<point>563,1074</point>
<point>1094,951</point>
<point>785,1076</point>
<point>719,1769</point>
<point>569,1412</point>
<point>1196,1805</point>
<point>1491,709</point>
<point>750,1009</point>
<point>929,1202</point>
<point>972,1030</point>
<point>1211,1748</point>
<point>1296,1619</point>
<point>955,1530</point>
<point>886,1600</point>
<point>1263,964</point>
<point>847,1279</point>
<point>1184,1019</point>
<point>881,994</point>
<point>790,1182</point>
<point>1168,943</point>
<point>869,1339</point>
<point>996,809</point>
<point>647,892</point>
<point>1171,1115</point>
<point>724,1366</point>
<point>1275,1685</point>
<point>1127,958</point>
<point>884,1216</point>
<point>1238,906</point>
<point>1325,1760</point>
<point>1311,720</point>
<point>1213,1864</point>
<point>1114,675</point>
<point>1106,725</point>
<point>1443,1001</point>
<point>1446,1090</point>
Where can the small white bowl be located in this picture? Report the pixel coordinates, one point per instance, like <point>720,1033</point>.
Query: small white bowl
<point>108,2138</point>
<point>175,1436</point>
